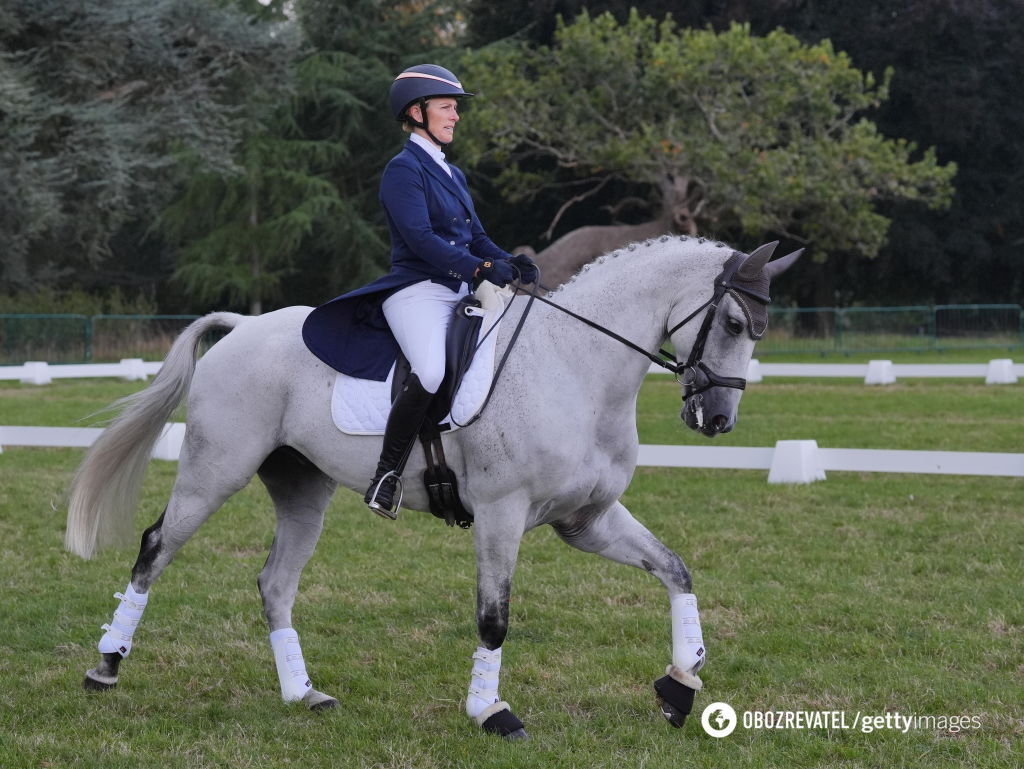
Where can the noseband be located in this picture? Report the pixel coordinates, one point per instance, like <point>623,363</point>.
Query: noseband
<point>694,375</point>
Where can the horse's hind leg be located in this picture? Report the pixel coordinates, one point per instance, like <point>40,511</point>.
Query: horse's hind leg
<point>196,496</point>
<point>617,535</point>
<point>300,492</point>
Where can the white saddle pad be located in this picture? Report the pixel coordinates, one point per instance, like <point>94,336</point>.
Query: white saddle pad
<point>361,406</point>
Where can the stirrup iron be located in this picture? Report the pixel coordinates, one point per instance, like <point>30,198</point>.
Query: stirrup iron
<point>377,507</point>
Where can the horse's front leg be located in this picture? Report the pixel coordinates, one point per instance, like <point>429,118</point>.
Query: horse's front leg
<point>497,547</point>
<point>617,535</point>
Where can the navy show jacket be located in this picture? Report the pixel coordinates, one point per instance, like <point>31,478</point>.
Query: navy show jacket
<point>435,235</point>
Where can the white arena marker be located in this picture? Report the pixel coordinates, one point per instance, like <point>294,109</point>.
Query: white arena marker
<point>880,372</point>
<point>36,372</point>
<point>133,370</point>
<point>168,445</point>
<point>1000,371</point>
<point>754,371</point>
<point>796,462</point>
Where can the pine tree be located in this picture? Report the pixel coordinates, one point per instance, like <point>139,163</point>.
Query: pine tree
<point>101,97</point>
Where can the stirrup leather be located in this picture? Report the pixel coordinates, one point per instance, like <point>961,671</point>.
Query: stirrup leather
<point>377,507</point>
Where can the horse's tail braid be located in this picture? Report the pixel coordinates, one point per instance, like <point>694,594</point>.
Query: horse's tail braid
<point>105,490</point>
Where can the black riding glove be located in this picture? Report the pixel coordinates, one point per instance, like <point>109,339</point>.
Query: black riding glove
<point>497,271</point>
<point>528,272</point>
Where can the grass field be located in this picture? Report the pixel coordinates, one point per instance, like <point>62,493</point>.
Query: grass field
<point>867,594</point>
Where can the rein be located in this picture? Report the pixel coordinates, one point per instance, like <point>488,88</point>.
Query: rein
<point>694,375</point>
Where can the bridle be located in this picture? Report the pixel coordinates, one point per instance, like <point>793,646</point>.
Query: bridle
<point>694,375</point>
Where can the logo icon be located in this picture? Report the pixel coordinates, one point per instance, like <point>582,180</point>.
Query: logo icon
<point>718,719</point>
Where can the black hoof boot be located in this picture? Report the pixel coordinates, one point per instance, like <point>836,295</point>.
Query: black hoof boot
<point>674,699</point>
<point>505,725</point>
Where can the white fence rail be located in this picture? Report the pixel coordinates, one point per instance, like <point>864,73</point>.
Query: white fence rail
<point>804,462</point>
<point>168,445</point>
<point>879,372</point>
<point>41,372</point>
<point>786,462</point>
<point>997,371</point>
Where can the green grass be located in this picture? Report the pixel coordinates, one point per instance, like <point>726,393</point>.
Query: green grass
<point>870,593</point>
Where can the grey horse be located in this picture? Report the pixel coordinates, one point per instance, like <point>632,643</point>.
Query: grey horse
<point>259,404</point>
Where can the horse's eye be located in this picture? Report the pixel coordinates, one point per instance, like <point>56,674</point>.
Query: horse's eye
<point>733,326</point>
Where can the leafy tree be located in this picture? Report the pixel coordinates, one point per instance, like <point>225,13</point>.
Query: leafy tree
<point>724,132</point>
<point>297,217</point>
<point>29,205</point>
<point>955,87</point>
<point>100,95</point>
<point>723,129</point>
<point>360,46</point>
<point>241,229</point>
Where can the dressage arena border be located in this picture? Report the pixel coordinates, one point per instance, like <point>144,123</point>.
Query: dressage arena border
<point>787,462</point>
<point>875,372</point>
<point>790,461</point>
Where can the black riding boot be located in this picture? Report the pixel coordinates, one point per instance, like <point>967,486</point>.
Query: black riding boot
<point>407,413</point>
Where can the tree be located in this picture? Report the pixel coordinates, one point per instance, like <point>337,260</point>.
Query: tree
<point>297,218</point>
<point>360,46</point>
<point>29,205</point>
<point>101,96</point>
<point>954,87</point>
<point>722,132</point>
<point>241,230</point>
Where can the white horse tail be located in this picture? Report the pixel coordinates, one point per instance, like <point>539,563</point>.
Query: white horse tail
<point>105,490</point>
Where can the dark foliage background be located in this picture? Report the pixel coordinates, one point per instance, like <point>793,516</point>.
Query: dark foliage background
<point>117,115</point>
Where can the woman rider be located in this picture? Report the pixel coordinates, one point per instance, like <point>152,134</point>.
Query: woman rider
<point>438,247</point>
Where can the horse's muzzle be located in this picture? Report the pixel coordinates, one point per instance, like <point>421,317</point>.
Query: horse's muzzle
<point>697,415</point>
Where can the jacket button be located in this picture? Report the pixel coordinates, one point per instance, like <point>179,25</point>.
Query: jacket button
<point>468,221</point>
<point>451,242</point>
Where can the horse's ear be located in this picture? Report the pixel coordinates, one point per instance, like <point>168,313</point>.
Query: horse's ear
<point>780,265</point>
<point>754,263</point>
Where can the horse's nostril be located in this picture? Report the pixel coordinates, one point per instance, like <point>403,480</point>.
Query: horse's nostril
<point>720,422</point>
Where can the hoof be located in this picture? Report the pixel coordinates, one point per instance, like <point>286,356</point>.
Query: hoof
<point>674,699</point>
<point>318,701</point>
<point>94,682</point>
<point>505,725</point>
<point>673,716</point>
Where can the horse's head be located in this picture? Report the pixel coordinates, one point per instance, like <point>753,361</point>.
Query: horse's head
<point>714,374</point>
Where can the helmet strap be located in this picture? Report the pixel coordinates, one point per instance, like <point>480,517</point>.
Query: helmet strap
<point>422,103</point>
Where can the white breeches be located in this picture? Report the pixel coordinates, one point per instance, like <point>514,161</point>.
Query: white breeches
<point>419,316</point>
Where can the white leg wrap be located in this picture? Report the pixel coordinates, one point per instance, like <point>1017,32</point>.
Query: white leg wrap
<point>291,668</point>
<point>118,637</point>
<point>483,682</point>
<point>687,642</point>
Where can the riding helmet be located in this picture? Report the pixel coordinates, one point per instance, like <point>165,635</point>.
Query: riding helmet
<point>421,82</point>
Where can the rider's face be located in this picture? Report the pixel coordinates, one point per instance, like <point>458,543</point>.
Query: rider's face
<point>442,115</point>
